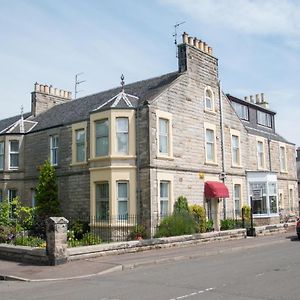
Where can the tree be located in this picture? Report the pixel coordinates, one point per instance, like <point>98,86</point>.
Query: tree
<point>47,204</point>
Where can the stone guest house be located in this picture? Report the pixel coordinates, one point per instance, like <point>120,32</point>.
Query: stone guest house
<point>133,150</point>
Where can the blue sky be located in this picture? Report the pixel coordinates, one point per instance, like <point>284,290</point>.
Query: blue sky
<point>49,41</point>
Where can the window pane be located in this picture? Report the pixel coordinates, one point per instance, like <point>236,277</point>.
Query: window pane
<point>122,190</point>
<point>209,135</point>
<point>122,124</point>
<point>102,138</point>
<point>14,160</point>
<point>102,201</point>
<point>14,146</point>
<point>164,198</point>
<point>1,155</point>
<point>80,145</point>
<point>163,144</point>
<point>122,141</point>
<point>163,126</point>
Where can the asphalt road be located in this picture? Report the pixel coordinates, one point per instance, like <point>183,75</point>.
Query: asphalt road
<point>270,272</point>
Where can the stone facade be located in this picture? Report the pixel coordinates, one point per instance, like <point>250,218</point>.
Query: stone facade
<point>192,104</point>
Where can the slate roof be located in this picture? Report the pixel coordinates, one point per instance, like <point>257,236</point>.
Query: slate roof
<point>255,131</point>
<point>80,109</point>
<point>5,123</point>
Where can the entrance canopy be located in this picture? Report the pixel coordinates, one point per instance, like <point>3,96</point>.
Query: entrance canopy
<point>215,189</point>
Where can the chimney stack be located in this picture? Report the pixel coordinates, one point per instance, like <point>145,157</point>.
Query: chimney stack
<point>44,97</point>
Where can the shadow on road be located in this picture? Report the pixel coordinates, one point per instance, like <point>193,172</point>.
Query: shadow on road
<point>293,238</point>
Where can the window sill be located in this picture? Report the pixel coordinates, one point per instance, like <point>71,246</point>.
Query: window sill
<point>164,157</point>
<point>78,164</point>
<point>211,112</point>
<point>237,166</point>
<point>211,163</point>
<point>110,157</point>
<point>284,172</point>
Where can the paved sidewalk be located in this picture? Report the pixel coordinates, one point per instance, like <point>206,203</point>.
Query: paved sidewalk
<point>102,265</point>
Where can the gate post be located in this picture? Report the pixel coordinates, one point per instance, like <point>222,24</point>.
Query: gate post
<point>57,243</point>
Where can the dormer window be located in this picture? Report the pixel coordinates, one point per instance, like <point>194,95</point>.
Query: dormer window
<point>209,99</point>
<point>241,110</point>
<point>264,119</point>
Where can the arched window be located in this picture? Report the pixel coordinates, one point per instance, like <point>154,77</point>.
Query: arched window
<point>209,99</point>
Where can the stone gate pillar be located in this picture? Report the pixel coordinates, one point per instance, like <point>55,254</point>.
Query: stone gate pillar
<point>57,243</point>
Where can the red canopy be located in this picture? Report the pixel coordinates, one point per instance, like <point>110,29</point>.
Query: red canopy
<point>215,189</point>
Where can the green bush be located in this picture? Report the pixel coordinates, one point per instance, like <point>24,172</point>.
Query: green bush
<point>199,214</point>
<point>139,231</point>
<point>209,225</point>
<point>7,233</point>
<point>31,241</point>
<point>228,224</point>
<point>246,209</point>
<point>176,224</point>
<point>79,228</point>
<point>87,239</point>
<point>181,205</point>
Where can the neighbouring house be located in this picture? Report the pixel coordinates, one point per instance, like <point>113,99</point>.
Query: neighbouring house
<point>134,149</point>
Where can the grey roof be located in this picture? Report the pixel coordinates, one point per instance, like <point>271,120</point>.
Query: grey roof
<point>5,123</point>
<point>268,135</point>
<point>80,109</point>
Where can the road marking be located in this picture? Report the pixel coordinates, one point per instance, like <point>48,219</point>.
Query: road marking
<point>192,294</point>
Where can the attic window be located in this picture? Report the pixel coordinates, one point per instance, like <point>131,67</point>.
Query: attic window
<point>264,119</point>
<point>209,99</point>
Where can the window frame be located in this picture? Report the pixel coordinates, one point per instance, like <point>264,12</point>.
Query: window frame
<point>82,143</point>
<point>163,135</point>
<point>97,122</point>
<point>237,212</point>
<point>264,119</point>
<point>54,149</point>
<point>167,117</point>
<point>17,153</point>
<point>235,148</point>
<point>241,110</point>
<point>164,199</point>
<point>261,160</point>
<point>209,95</point>
<point>283,158</point>
<point>122,133</point>
<point>213,143</point>
<point>121,217</point>
<point>2,155</point>
<point>106,200</point>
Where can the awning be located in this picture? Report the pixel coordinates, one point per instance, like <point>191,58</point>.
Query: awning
<point>215,189</point>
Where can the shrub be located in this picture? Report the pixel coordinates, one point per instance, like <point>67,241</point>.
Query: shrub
<point>176,224</point>
<point>246,211</point>
<point>227,224</point>
<point>7,233</point>
<point>47,204</point>
<point>181,205</point>
<point>139,231</point>
<point>90,239</point>
<point>199,214</point>
<point>209,225</point>
<point>79,228</point>
<point>31,241</point>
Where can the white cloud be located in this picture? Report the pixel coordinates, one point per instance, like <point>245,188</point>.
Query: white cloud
<point>275,17</point>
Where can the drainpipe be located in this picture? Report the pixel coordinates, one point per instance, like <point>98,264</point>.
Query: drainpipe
<point>269,149</point>
<point>138,163</point>
<point>222,142</point>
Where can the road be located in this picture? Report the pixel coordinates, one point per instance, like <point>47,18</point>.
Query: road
<point>269,272</point>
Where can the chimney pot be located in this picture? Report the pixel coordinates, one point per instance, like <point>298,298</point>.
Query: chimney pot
<point>201,45</point>
<point>46,89</point>
<point>61,93</point>
<point>185,37</point>
<point>56,92</point>
<point>66,94</point>
<point>262,97</point>
<point>69,95</point>
<point>246,98</point>
<point>42,88</point>
<point>196,42</point>
<point>51,90</point>
<point>36,87</point>
<point>251,99</point>
<point>205,48</point>
<point>210,50</point>
<point>191,40</point>
<point>257,98</point>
